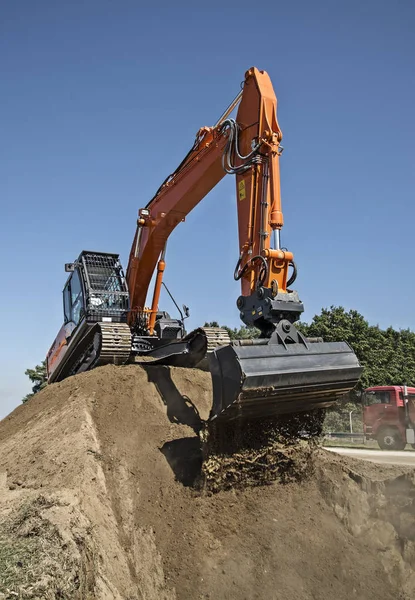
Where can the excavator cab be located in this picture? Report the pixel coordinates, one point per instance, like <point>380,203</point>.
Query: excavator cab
<point>95,307</point>
<point>96,289</point>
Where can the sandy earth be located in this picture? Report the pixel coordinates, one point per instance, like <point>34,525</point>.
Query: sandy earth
<point>97,501</point>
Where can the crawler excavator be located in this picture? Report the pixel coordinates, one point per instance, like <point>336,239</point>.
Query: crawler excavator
<point>106,319</point>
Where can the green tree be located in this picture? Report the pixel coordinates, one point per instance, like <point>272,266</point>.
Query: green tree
<point>38,377</point>
<point>387,356</point>
<point>338,416</point>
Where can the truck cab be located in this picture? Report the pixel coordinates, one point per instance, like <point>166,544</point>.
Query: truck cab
<point>389,416</point>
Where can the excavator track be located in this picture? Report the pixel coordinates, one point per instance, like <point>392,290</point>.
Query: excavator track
<point>115,344</point>
<point>216,336</point>
<point>102,344</point>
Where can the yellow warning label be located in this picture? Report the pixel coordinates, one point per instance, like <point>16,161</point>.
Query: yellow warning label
<point>241,190</point>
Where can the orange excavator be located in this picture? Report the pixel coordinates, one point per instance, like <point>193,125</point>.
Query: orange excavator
<point>106,319</point>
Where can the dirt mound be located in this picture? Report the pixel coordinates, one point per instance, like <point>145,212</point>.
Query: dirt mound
<point>97,500</point>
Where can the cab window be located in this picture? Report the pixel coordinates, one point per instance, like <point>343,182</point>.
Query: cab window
<point>73,299</point>
<point>76,298</point>
<point>377,397</point>
<point>411,397</point>
<point>67,302</point>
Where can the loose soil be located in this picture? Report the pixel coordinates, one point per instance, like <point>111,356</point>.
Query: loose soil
<point>103,495</point>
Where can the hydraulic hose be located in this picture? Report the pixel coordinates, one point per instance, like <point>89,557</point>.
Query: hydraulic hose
<point>293,274</point>
<point>263,273</point>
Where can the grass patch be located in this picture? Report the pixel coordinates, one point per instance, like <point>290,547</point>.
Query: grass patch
<point>35,562</point>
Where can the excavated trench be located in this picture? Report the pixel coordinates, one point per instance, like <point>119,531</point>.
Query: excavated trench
<point>106,492</point>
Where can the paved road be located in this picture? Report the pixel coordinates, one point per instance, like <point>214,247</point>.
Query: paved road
<point>384,457</point>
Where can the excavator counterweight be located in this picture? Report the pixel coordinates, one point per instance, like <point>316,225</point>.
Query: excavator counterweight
<point>106,317</point>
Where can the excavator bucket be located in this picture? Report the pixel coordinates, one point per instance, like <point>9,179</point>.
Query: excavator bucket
<point>265,379</point>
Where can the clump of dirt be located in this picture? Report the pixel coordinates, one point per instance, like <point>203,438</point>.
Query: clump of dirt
<point>99,480</point>
<point>270,463</point>
<point>251,453</point>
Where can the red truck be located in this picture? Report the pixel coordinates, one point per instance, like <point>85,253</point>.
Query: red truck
<point>389,416</point>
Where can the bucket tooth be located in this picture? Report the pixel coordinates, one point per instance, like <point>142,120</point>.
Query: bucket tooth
<point>263,380</point>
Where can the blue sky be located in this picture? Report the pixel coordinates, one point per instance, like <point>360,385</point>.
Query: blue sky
<point>100,100</point>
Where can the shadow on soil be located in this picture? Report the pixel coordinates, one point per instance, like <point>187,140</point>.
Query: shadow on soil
<point>185,459</point>
<point>180,409</point>
<point>184,455</point>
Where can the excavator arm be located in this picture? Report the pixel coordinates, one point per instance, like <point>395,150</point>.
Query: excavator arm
<point>249,148</point>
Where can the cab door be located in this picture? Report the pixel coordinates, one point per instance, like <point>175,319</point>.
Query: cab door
<point>73,299</point>
<point>377,407</point>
